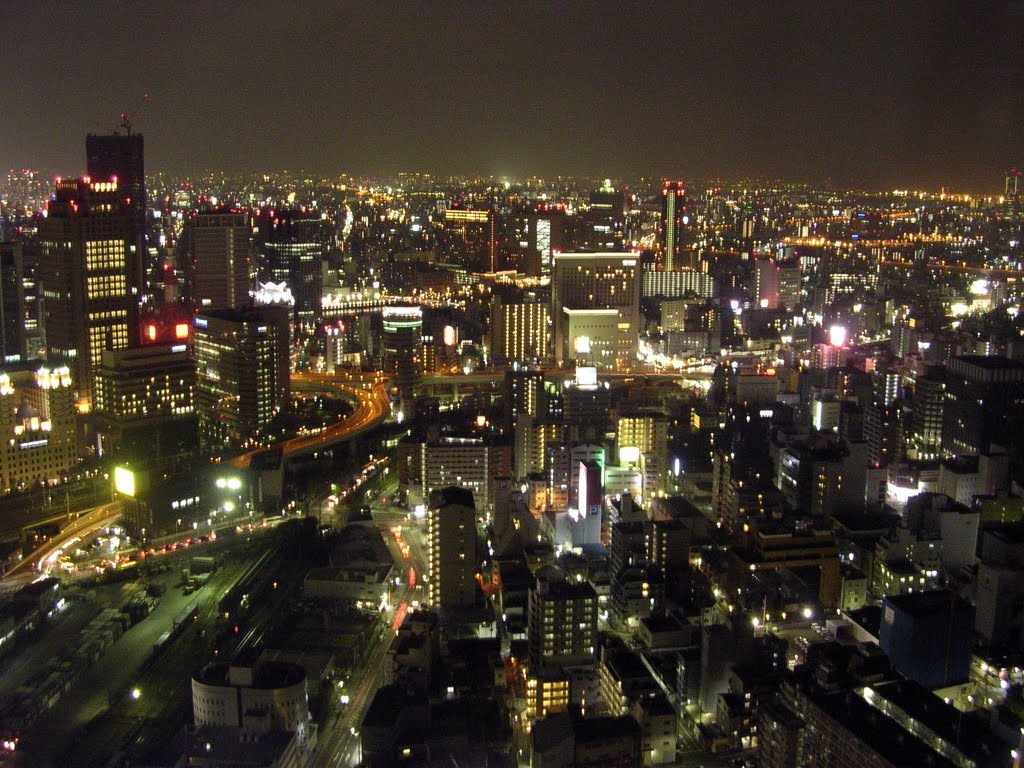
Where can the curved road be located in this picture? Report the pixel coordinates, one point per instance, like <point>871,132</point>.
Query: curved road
<point>374,406</point>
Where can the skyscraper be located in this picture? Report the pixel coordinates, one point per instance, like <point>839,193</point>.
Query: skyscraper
<point>451,541</point>
<point>242,372</point>
<point>595,307</point>
<point>91,275</point>
<point>120,156</point>
<point>12,304</point>
<point>519,327</point>
<point>673,203</point>
<point>403,329</point>
<point>220,253</point>
<point>292,247</point>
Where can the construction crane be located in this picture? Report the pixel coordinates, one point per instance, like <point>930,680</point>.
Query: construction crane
<point>126,118</point>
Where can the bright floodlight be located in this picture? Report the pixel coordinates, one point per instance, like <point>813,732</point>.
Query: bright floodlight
<point>837,336</point>
<point>808,613</point>
<point>136,693</point>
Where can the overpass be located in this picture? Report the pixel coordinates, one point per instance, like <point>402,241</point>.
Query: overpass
<point>373,405</point>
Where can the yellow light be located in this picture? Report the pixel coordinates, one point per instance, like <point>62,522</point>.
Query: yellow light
<point>124,481</point>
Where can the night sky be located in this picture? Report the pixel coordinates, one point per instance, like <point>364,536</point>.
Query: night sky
<point>853,93</point>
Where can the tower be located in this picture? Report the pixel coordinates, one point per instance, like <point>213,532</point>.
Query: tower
<point>292,247</point>
<point>451,541</point>
<point>220,254</point>
<point>242,372</point>
<point>673,203</point>
<point>92,277</point>
<point>12,304</point>
<point>403,329</point>
<point>121,157</point>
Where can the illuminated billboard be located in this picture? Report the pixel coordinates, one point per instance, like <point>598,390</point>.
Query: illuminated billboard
<point>124,481</point>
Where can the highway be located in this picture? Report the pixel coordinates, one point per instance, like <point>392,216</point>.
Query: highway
<point>43,558</point>
<point>374,406</point>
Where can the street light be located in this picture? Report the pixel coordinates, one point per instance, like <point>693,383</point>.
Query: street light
<point>136,693</point>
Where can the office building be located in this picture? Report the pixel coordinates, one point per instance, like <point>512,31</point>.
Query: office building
<point>403,331</point>
<point>471,238</point>
<point>121,157</point>
<point>928,637</point>
<point>452,545</point>
<point>242,372</point>
<point>925,439</point>
<point>145,403</point>
<point>519,328</point>
<point>604,222</point>
<point>92,277</point>
<point>13,347</point>
<point>980,391</point>
<point>523,394</point>
<point>673,219</point>
<point>37,421</point>
<point>220,255</point>
<point>595,300</point>
<point>292,246</point>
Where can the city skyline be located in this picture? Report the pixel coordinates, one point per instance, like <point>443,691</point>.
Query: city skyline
<point>879,96</point>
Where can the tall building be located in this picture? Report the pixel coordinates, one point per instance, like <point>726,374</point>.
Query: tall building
<point>452,542</point>
<point>925,439</point>
<point>561,623</point>
<point>220,253</point>
<point>673,206</point>
<point>595,308</point>
<point>519,328</point>
<point>980,391</point>
<point>403,331</point>
<point>37,421</point>
<point>145,403</point>
<point>121,157</point>
<point>471,238</point>
<point>523,394</point>
<point>605,221</point>
<point>292,247</point>
<point>92,277</point>
<point>242,372</point>
<point>12,304</point>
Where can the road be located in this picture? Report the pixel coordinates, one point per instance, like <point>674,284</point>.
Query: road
<point>374,406</point>
<point>42,559</point>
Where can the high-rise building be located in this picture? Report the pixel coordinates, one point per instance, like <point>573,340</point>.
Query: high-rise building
<point>595,307</point>
<point>121,157</point>
<point>673,219</point>
<point>925,439</point>
<point>242,372</point>
<point>524,394</point>
<point>145,403</point>
<point>519,328</point>
<point>451,543</point>
<point>561,623</point>
<point>403,330</point>
<point>12,304</point>
<point>220,254</point>
<point>37,421</point>
<point>604,222</point>
<point>471,238</point>
<point>91,275</point>
<point>292,246</point>
<point>980,391</point>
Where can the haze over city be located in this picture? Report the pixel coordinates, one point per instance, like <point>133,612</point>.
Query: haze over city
<point>874,94</point>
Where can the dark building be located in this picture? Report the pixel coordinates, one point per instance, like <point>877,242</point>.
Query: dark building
<point>220,253</point>
<point>928,637</point>
<point>292,246</point>
<point>12,304</point>
<point>980,393</point>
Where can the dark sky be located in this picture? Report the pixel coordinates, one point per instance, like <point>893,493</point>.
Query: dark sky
<point>867,93</point>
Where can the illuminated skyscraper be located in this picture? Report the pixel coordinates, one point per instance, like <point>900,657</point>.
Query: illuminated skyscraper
<point>121,156</point>
<point>220,254</point>
<point>673,204</point>
<point>91,275</point>
<point>242,372</point>
<point>519,327</point>
<point>595,308</point>
<point>403,330</point>
<point>37,422</point>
